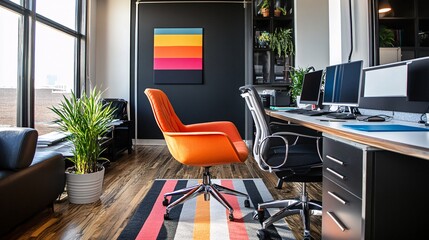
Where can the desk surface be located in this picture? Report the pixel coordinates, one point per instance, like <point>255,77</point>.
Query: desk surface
<point>409,143</point>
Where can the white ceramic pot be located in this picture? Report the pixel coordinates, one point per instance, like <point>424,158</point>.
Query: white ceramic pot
<point>298,104</point>
<point>84,188</point>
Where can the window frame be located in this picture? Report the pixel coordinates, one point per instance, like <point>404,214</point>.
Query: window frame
<point>25,87</point>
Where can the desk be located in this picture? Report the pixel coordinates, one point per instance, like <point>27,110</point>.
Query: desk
<point>412,144</point>
<point>65,149</point>
<point>373,181</point>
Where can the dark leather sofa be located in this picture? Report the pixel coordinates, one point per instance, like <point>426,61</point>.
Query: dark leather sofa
<point>29,181</point>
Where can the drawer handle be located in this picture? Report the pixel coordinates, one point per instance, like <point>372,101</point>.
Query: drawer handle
<point>337,221</point>
<point>335,160</point>
<point>344,202</point>
<point>335,173</point>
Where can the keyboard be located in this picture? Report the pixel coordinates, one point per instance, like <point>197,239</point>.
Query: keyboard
<point>316,113</point>
<point>298,110</point>
<point>340,115</point>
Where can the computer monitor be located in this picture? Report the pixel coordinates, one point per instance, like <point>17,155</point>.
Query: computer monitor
<point>342,84</point>
<point>311,87</point>
<point>418,80</point>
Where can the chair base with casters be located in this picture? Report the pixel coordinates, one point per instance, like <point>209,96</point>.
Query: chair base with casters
<point>288,207</point>
<point>208,189</point>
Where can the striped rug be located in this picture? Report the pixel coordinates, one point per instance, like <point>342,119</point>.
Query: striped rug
<point>199,219</point>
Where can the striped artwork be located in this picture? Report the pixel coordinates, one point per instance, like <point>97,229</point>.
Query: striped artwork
<point>178,56</point>
<point>199,219</point>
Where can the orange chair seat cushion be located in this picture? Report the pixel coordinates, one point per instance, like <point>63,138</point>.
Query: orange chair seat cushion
<point>205,148</point>
<point>200,144</point>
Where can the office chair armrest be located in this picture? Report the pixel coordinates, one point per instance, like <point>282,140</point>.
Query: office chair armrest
<point>296,134</point>
<point>282,123</point>
<point>317,138</point>
<point>201,148</point>
<point>262,145</point>
<point>219,126</point>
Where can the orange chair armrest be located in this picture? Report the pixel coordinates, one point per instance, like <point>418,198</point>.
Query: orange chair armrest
<point>220,126</point>
<point>201,148</point>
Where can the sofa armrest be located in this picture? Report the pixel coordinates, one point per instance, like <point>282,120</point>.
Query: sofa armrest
<point>28,191</point>
<point>17,147</point>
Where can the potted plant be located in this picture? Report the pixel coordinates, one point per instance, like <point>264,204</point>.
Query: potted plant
<point>281,42</point>
<point>388,52</point>
<point>264,8</point>
<point>87,121</point>
<point>263,39</point>
<point>278,11</point>
<point>386,36</point>
<point>297,77</point>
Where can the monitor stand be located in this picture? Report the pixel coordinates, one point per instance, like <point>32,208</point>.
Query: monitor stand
<point>351,114</point>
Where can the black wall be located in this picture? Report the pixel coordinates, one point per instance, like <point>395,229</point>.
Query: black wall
<point>218,97</point>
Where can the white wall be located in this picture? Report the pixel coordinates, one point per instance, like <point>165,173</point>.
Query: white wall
<point>91,39</point>
<point>112,48</point>
<point>322,32</point>
<point>311,33</point>
<point>339,31</point>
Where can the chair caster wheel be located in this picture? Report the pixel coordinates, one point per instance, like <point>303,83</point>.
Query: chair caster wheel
<point>259,215</point>
<point>263,234</point>
<point>247,203</point>
<point>165,202</point>
<point>166,216</point>
<point>231,217</point>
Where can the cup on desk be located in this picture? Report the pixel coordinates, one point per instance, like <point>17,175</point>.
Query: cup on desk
<point>427,119</point>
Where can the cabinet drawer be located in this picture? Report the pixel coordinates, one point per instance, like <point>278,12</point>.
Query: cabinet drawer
<point>342,163</point>
<point>341,217</point>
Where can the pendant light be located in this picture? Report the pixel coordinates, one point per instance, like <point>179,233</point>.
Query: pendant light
<point>384,6</point>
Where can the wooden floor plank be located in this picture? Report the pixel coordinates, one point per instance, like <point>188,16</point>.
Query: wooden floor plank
<point>126,182</point>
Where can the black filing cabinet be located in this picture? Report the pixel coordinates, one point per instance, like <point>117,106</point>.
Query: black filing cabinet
<point>343,171</point>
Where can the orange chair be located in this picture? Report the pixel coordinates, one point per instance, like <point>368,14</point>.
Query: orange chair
<point>202,145</point>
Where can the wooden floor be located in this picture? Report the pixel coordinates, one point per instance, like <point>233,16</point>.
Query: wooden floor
<point>126,182</point>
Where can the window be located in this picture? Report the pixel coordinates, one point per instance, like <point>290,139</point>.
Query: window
<point>54,73</point>
<point>9,68</point>
<point>37,70</point>
<point>17,1</point>
<point>63,12</point>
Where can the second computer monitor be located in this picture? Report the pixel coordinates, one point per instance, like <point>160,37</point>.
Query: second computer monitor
<point>311,87</point>
<point>342,84</point>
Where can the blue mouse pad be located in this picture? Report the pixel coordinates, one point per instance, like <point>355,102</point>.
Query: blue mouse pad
<point>386,128</point>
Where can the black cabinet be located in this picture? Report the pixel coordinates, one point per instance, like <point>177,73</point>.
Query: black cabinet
<point>121,133</point>
<point>268,68</point>
<point>341,212</point>
<point>121,138</point>
<point>344,166</point>
<point>370,193</point>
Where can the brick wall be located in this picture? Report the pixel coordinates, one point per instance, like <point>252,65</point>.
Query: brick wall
<point>43,115</point>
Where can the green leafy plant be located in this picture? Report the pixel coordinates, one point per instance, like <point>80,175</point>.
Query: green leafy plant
<point>87,120</point>
<point>264,38</point>
<point>282,10</point>
<point>264,4</point>
<point>386,37</point>
<point>281,42</point>
<point>297,77</point>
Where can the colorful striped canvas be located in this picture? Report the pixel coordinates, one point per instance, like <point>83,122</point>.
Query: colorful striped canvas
<point>178,55</point>
<point>199,219</point>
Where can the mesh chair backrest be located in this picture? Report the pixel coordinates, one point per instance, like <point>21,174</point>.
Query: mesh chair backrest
<point>254,103</point>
